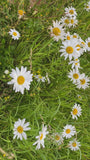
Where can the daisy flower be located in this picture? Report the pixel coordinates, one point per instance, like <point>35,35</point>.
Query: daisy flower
<point>67,36</point>
<point>15,34</point>
<point>76,111</point>
<point>21,13</point>
<point>19,127</point>
<point>75,64</point>
<point>74,75</point>
<point>41,137</point>
<point>75,35</point>
<point>73,22</point>
<point>87,6</point>
<point>40,78</point>
<point>79,97</point>
<point>83,45</point>
<point>74,145</point>
<point>57,32</point>
<point>70,12</point>
<point>69,49</point>
<point>65,21</point>
<point>88,43</point>
<point>57,138</point>
<point>21,79</point>
<point>83,82</point>
<point>68,131</point>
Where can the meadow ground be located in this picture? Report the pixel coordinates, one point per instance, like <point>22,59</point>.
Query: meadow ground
<point>45,103</point>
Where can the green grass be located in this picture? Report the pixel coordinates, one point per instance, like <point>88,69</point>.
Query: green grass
<point>52,103</point>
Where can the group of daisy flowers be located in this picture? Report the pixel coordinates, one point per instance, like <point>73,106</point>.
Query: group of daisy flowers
<point>72,47</point>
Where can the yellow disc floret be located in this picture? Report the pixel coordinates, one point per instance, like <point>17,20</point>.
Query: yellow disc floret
<point>56,31</point>
<point>69,50</point>
<point>20,80</point>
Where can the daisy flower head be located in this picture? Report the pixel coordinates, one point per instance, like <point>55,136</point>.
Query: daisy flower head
<point>75,64</point>
<point>40,78</point>
<point>74,145</point>
<point>73,22</point>
<point>57,138</point>
<point>70,12</point>
<point>15,34</point>
<point>69,49</point>
<point>41,137</point>
<point>65,21</point>
<point>19,127</point>
<point>21,13</point>
<point>83,82</point>
<point>68,131</point>
<point>87,6</point>
<point>67,36</point>
<point>76,111</point>
<point>6,71</point>
<point>83,45</point>
<point>79,96</point>
<point>74,75</point>
<point>21,79</point>
<point>88,43</point>
<point>57,32</point>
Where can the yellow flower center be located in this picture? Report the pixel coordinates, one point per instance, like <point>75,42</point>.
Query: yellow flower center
<point>20,12</point>
<point>76,64</point>
<point>72,21</point>
<point>74,144</point>
<point>88,44</point>
<point>20,80</point>
<point>82,81</point>
<point>57,137</point>
<point>41,136</point>
<point>68,131</point>
<point>87,6</point>
<point>14,33</point>
<point>74,36</point>
<point>68,37</point>
<point>40,76</point>
<point>69,50</point>
<point>76,59</point>
<point>71,11</point>
<point>56,31</point>
<point>75,111</point>
<point>78,47</point>
<point>20,129</point>
<point>75,76</point>
<point>66,21</point>
<point>83,43</point>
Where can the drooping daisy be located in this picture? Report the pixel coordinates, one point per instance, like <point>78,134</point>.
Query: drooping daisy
<point>73,22</point>
<point>19,127</point>
<point>57,138</point>
<point>21,13</point>
<point>76,111</point>
<point>74,145</point>
<point>87,6</point>
<point>75,64</point>
<point>15,34</point>
<point>21,79</point>
<point>69,49</point>
<point>88,43</point>
<point>74,75</point>
<point>70,12</point>
<point>68,131</point>
<point>57,32</point>
<point>40,78</point>
<point>41,137</point>
<point>64,21</point>
<point>83,82</point>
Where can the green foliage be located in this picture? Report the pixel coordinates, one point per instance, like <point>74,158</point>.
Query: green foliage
<point>51,103</point>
